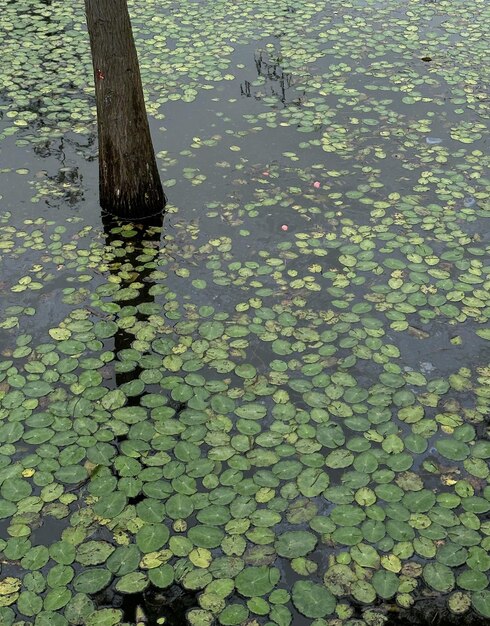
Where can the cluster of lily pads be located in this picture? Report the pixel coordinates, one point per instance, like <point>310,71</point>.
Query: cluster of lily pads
<point>430,58</point>
<point>268,453</point>
<point>281,407</point>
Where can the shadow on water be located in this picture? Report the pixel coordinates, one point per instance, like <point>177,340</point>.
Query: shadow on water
<point>430,612</point>
<point>150,606</point>
<point>133,245</point>
<point>129,242</point>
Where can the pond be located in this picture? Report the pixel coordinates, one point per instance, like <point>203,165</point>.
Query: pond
<point>273,409</point>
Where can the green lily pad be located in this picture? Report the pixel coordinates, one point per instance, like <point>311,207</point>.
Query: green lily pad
<point>440,577</point>
<point>453,449</point>
<point>105,329</point>
<point>71,474</point>
<point>293,544</point>
<point>37,389</point>
<point>79,608</point>
<point>162,576</point>
<point>105,617</point>
<point>92,580</point>
<point>211,330</point>
<point>94,552</point>
<point>15,489</point>
<point>29,603</point>
<point>135,582</point>
<point>56,599</point>
<point>233,615</point>
<point>110,505</point>
<point>152,537</point>
<point>385,583</point>
<point>124,559</point>
<point>245,371</point>
<point>481,602</point>
<point>71,347</point>
<point>312,600</point>
<point>257,581</point>
<point>472,580</point>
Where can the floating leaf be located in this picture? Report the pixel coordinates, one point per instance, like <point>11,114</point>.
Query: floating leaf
<point>105,617</point>
<point>9,585</point>
<point>56,599</point>
<point>79,608</point>
<point>15,489</point>
<point>162,576</point>
<point>124,559</point>
<point>440,577</point>
<point>452,449</point>
<point>385,583</point>
<point>257,581</point>
<point>312,600</point>
<point>179,506</point>
<point>245,371</point>
<point>37,389</point>
<point>152,537</point>
<point>94,552</point>
<point>92,580</point>
<point>71,474</point>
<point>295,543</point>
<point>29,603</point>
<point>71,347</point>
<point>134,582</point>
<point>110,505</point>
<point>472,580</point>
<point>233,614</point>
<point>481,602</point>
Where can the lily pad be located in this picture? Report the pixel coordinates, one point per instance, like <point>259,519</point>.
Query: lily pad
<point>92,580</point>
<point>257,581</point>
<point>440,577</point>
<point>293,544</point>
<point>312,600</point>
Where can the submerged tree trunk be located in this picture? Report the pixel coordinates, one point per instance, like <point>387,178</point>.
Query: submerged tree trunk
<point>129,181</point>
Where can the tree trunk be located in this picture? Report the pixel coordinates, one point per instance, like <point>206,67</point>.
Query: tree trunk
<point>129,182</point>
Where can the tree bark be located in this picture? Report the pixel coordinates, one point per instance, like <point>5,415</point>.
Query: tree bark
<point>129,182</point>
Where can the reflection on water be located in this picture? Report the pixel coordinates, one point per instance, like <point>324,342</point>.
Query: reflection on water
<point>194,391</point>
<point>276,82</point>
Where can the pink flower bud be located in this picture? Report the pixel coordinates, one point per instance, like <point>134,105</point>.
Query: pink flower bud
<point>284,227</point>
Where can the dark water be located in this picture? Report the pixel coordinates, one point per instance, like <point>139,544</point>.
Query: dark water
<point>258,173</point>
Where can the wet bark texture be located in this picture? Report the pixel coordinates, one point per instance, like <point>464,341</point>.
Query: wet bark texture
<point>129,182</point>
